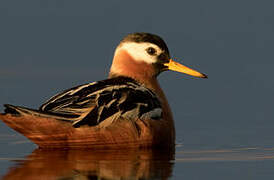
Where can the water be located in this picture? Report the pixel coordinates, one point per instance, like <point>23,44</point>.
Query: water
<point>224,125</point>
<point>181,163</point>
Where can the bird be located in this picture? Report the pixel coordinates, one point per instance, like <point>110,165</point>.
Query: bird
<point>126,110</point>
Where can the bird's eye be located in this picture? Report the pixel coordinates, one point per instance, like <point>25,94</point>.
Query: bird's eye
<point>151,51</point>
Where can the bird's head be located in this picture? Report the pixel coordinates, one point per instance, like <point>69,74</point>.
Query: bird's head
<point>143,56</point>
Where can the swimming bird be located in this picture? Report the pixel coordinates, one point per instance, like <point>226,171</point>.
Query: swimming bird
<point>128,109</point>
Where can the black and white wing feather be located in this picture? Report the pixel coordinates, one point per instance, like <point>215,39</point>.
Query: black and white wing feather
<point>92,103</point>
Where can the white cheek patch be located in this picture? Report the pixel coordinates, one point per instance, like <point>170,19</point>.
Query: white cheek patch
<point>139,53</point>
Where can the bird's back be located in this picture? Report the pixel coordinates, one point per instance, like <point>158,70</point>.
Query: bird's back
<point>114,112</point>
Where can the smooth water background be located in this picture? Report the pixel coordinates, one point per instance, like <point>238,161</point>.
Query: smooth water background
<point>224,125</point>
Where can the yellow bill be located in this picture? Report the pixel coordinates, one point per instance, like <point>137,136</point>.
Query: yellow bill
<point>174,66</point>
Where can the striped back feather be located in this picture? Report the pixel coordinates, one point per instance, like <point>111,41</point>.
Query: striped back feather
<point>92,103</point>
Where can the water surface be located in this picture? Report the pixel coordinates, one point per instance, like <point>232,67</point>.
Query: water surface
<point>224,125</point>
<point>34,163</point>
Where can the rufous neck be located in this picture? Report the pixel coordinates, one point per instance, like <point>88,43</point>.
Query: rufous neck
<point>124,65</point>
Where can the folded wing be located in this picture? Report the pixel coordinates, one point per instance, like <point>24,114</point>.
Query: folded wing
<point>92,103</point>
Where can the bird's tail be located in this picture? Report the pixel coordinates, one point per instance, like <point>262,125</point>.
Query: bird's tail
<point>41,128</point>
<point>23,111</point>
<point>17,110</point>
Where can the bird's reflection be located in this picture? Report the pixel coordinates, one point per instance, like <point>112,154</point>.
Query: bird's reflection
<point>91,164</point>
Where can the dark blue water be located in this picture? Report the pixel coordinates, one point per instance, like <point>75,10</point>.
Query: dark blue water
<point>224,125</point>
<point>31,163</point>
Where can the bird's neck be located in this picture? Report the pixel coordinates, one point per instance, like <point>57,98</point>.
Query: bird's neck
<point>124,65</point>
